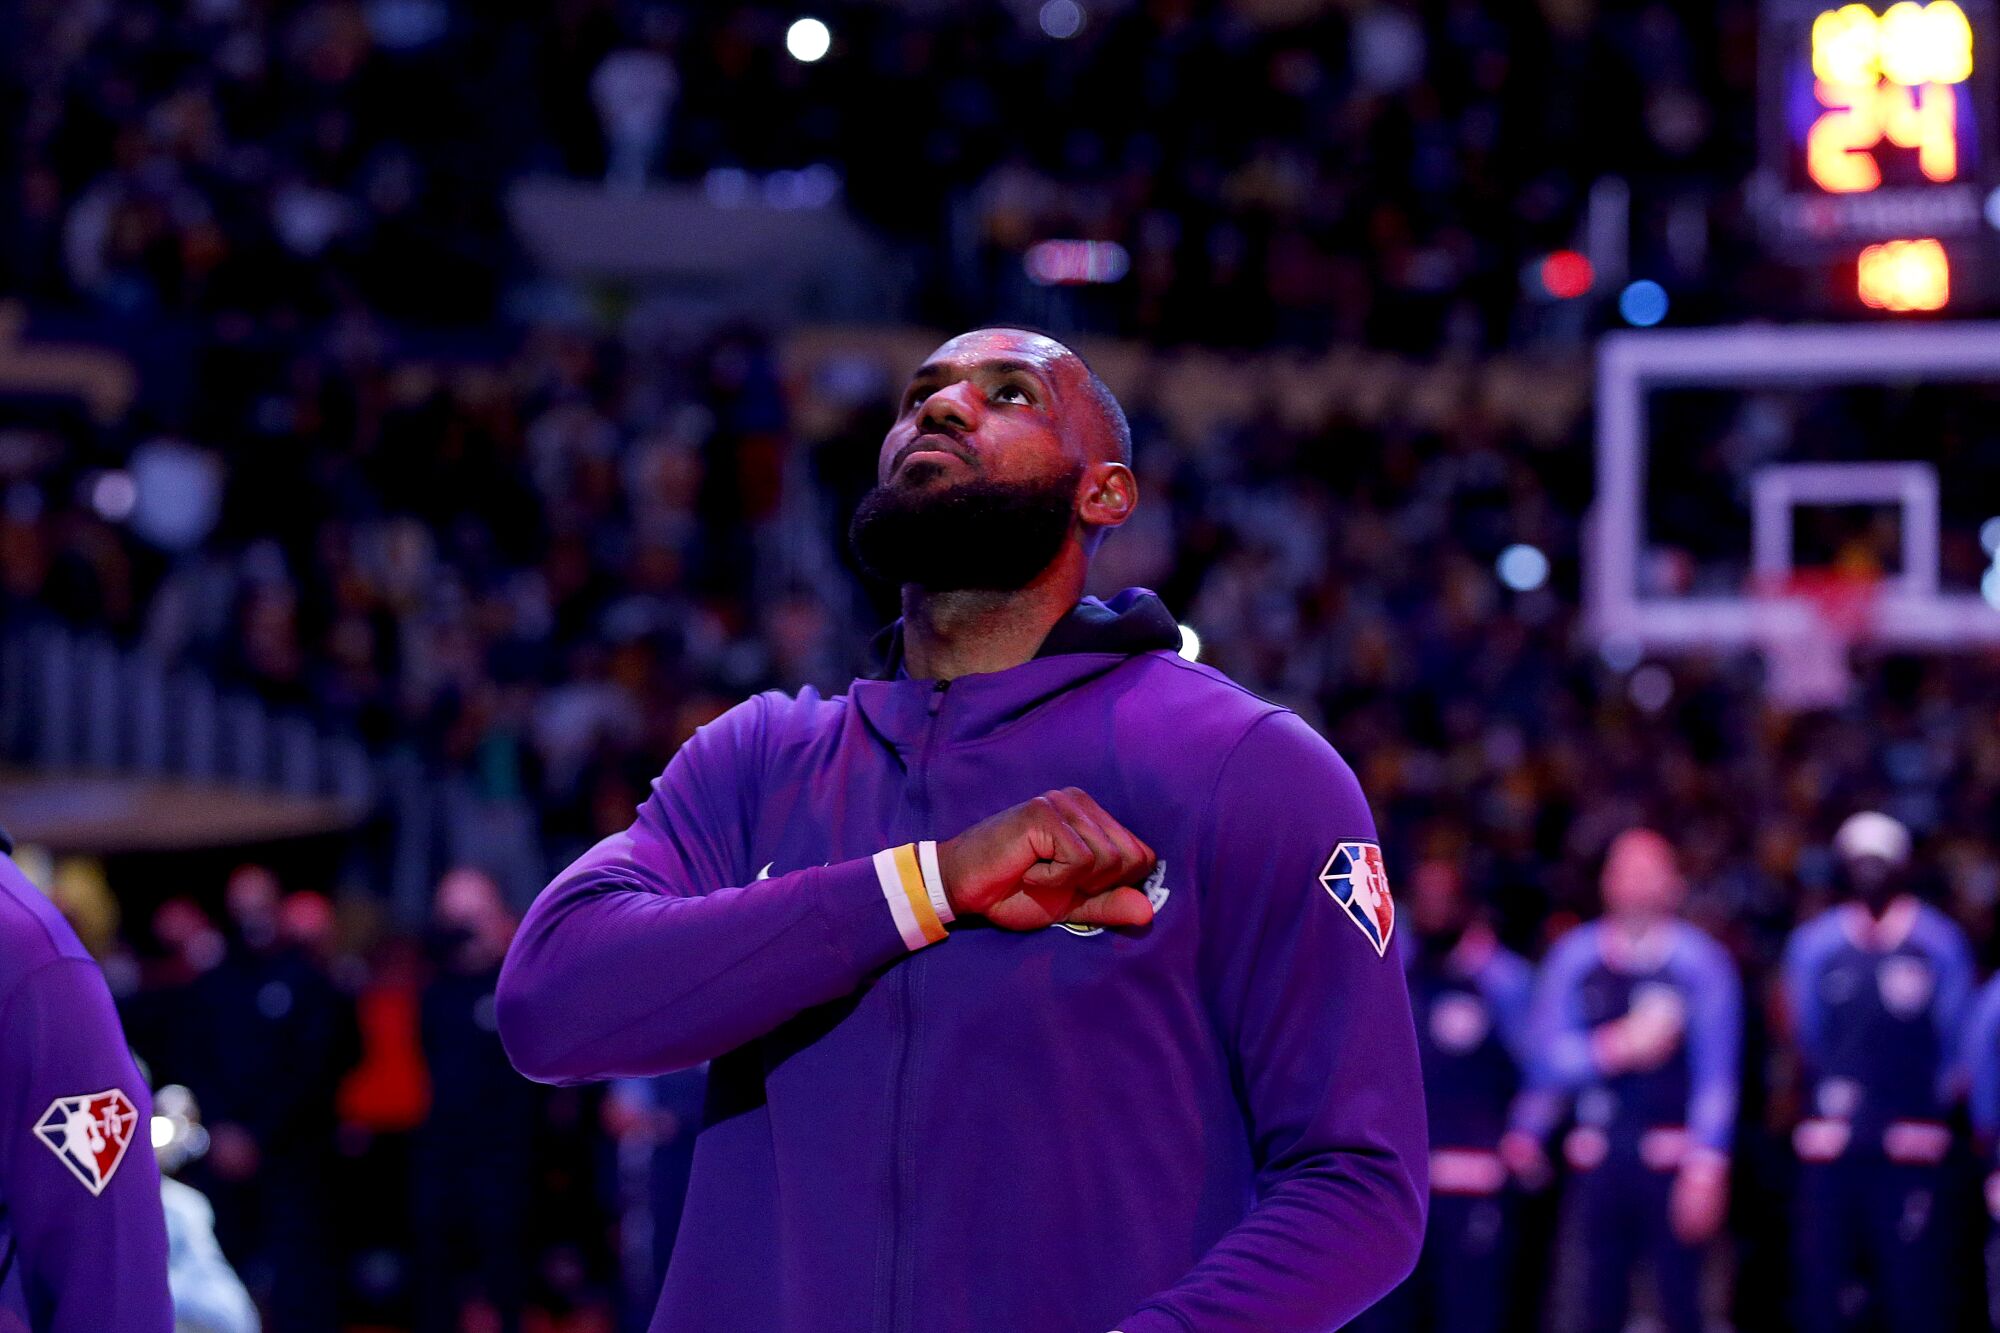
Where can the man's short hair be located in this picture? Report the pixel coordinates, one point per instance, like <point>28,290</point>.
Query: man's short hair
<point>1110,414</point>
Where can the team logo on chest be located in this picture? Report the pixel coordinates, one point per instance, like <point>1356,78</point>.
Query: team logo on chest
<point>1355,878</point>
<point>1906,985</point>
<point>90,1134</point>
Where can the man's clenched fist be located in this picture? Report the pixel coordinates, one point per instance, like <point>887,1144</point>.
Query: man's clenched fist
<point>1059,857</point>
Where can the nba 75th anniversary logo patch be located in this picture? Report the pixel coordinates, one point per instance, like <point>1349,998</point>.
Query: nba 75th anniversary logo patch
<point>89,1134</point>
<point>1357,881</point>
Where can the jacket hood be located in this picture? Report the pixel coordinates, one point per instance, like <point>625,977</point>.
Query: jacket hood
<point>1133,621</point>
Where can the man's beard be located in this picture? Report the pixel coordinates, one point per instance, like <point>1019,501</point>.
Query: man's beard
<point>989,535</point>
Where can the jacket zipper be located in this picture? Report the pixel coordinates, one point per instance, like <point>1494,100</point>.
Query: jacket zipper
<point>903,1181</point>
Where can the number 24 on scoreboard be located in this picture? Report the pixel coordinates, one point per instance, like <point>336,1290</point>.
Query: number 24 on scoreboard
<point>1894,76</point>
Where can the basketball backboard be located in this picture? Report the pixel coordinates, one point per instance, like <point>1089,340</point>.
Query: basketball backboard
<point>1728,460</point>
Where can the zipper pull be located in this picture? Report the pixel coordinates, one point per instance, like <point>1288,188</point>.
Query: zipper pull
<point>937,695</point>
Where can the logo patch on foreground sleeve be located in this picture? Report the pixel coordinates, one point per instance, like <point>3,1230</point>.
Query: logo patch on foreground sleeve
<point>1357,881</point>
<point>90,1134</point>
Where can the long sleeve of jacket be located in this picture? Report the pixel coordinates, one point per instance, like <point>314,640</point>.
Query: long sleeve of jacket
<point>1714,1044</point>
<point>1558,1033</point>
<point>1956,986</point>
<point>650,954</point>
<point>1508,983</point>
<point>1981,1055</point>
<point>1318,1023</point>
<point>78,1178</point>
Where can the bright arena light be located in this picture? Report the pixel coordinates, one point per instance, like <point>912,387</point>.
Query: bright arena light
<point>113,495</point>
<point>1643,303</point>
<point>1989,586</point>
<point>1989,537</point>
<point>162,1130</point>
<point>808,40</point>
<point>1190,643</point>
<point>1062,19</point>
<point>1522,567</point>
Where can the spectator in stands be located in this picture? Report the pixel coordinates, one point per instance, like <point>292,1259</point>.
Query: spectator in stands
<point>267,1038</point>
<point>473,1156</point>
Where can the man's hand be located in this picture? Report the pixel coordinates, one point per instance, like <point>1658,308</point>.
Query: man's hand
<point>1700,1198</point>
<point>1643,1039</point>
<point>1523,1156</point>
<point>1059,857</point>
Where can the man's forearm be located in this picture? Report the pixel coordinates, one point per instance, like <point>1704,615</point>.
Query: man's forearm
<point>609,976</point>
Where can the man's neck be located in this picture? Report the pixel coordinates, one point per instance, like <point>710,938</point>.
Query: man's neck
<point>951,634</point>
<point>1634,927</point>
<point>1637,941</point>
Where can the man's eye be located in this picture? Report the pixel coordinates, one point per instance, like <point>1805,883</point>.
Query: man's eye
<point>1019,394</point>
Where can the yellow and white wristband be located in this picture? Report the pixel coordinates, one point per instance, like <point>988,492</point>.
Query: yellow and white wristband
<point>915,892</point>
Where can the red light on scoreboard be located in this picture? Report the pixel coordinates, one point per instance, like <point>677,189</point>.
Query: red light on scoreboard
<point>1890,77</point>
<point>1904,276</point>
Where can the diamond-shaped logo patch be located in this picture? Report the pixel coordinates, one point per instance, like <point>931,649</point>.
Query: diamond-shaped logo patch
<point>1355,878</point>
<point>89,1134</point>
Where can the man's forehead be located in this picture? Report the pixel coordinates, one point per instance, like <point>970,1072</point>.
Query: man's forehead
<point>986,345</point>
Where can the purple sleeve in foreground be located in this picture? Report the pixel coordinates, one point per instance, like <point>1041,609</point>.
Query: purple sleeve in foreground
<point>645,957</point>
<point>1319,1025</point>
<point>76,1159</point>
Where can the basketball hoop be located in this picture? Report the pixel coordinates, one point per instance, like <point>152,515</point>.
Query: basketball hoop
<point>1808,620</point>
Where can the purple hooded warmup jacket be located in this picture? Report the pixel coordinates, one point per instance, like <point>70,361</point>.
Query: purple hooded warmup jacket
<point>83,1236</point>
<point>1214,1124</point>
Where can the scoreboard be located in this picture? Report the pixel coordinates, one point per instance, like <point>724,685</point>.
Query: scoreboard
<point>1879,165</point>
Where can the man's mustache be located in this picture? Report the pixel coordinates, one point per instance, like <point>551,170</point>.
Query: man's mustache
<point>940,441</point>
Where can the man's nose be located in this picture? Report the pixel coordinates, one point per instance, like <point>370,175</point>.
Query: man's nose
<point>951,409</point>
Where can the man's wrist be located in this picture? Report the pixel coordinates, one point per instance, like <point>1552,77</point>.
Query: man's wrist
<point>927,862</point>
<point>900,873</point>
<point>1607,1048</point>
<point>1704,1160</point>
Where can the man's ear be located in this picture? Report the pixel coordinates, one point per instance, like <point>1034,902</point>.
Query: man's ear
<point>1108,495</point>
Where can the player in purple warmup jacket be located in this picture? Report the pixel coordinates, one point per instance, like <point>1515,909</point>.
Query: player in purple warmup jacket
<point>1640,1015</point>
<point>1877,990</point>
<point>83,1237</point>
<point>1047,980</point>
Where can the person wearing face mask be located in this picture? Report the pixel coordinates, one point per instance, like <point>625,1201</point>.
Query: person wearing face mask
<point>1981,1052</point>
<point>1470,996</point>
<point>1640,1015</point>
<point>471,1156</point>
<point>1876,991</point>
<point>272,1035</point>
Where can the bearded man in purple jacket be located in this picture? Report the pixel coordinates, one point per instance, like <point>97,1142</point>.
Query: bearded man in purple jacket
<point>1045,980</point>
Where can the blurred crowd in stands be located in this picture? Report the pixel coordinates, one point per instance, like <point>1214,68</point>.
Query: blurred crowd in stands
<point>1297,172</point>
<point>536,553</point>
